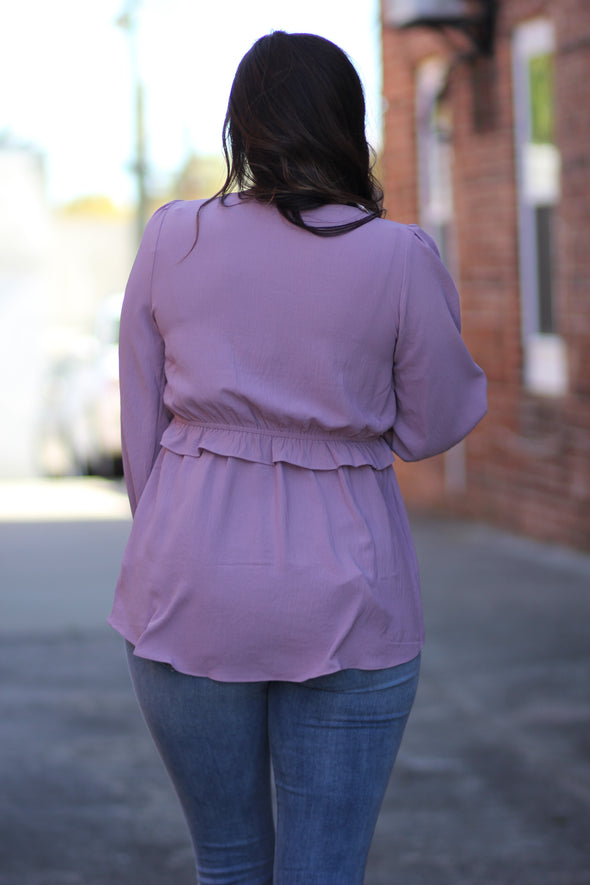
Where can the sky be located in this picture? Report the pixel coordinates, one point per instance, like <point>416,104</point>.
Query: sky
<point>67,78</point>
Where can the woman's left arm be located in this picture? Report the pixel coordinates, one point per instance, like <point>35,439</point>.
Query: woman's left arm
<point>141,368</point>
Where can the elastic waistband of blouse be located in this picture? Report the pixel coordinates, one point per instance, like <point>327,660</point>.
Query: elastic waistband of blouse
<point>313,450</point>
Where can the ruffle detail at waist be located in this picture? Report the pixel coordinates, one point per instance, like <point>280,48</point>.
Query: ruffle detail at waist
<point>266,446</point>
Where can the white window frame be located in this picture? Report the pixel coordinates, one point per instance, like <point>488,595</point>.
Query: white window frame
<point>537,177</point>
<point>436,208</point>
<point>435,194</point>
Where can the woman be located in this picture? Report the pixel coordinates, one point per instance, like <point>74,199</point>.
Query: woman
<point>276,345</point>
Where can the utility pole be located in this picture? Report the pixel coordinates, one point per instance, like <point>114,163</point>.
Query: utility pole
<point>127,21</point>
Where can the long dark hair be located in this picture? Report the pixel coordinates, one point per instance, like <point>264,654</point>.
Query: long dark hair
<point>294,131</point>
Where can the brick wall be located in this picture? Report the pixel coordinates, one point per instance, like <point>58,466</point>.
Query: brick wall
<point>527,466</point>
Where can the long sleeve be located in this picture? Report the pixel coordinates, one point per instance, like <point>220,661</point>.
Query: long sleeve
<point>141,369</point>
<point>440,391</point>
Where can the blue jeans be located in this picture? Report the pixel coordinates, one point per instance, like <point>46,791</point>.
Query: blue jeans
<point>332,741</point>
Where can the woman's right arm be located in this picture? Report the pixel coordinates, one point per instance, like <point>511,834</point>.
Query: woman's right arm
<point>440,391</point>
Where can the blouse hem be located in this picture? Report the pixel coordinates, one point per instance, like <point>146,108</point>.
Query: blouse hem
<point>399,653</point>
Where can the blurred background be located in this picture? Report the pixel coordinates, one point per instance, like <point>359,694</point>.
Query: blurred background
<point>479,114</point>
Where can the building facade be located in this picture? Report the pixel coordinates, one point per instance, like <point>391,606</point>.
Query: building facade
<point>490,152</point>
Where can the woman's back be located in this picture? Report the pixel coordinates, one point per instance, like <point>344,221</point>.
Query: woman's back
<point>270,327</point>
<point>285,368</point>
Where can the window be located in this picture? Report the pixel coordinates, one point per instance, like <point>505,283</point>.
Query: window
<point>434,138</point>
<point>538,168</point>
<point>435,156</point>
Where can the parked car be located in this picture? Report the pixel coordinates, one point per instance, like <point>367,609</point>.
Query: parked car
<point>80,420</point>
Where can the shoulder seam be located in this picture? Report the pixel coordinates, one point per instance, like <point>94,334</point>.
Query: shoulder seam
<point>164,211</point>
<point>404,286</point>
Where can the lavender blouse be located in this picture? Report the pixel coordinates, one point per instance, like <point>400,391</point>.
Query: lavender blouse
<point>266,377</point>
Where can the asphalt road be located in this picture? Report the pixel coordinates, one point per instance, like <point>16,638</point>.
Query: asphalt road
<point>492,786</point>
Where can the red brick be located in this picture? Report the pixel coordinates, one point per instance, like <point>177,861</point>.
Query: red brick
<point>528,464</point>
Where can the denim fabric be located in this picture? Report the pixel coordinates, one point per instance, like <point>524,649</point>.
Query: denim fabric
<point>332,741</point>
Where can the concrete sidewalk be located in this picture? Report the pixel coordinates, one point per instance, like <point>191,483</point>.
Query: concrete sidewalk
<point>492,786</point>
